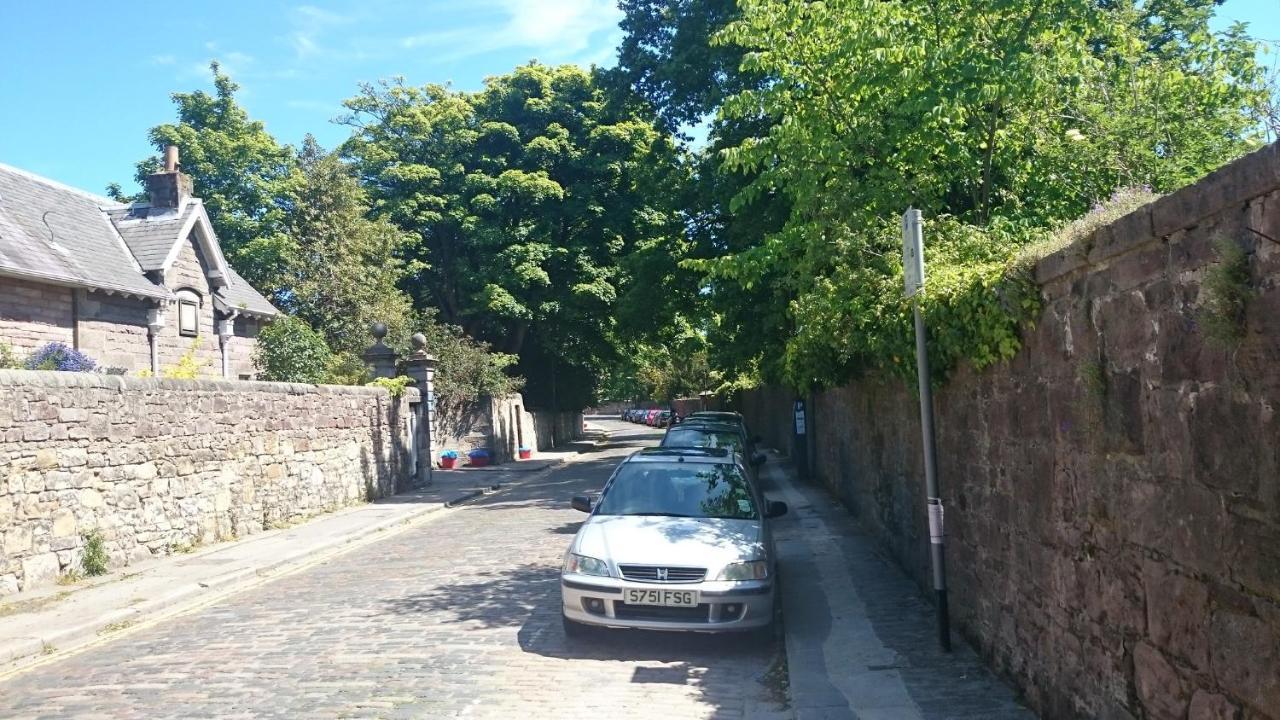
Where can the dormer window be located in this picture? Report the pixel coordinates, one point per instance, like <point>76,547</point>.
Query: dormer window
<point>189,303</point>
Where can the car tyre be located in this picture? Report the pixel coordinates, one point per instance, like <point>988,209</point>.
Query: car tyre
<point>574,630</point>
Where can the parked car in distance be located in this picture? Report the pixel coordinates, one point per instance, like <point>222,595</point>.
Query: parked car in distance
<point>679,539</point>
<point>698,432</point>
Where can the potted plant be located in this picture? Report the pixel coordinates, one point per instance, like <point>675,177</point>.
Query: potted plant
<point>448,459</point>
<point>478,457</point>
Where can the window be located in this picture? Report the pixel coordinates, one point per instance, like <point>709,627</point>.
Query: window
<point>700,490</point>
<point>188,313</point>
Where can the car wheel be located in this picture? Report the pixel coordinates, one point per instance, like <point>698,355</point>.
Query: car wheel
<point>574,630</point>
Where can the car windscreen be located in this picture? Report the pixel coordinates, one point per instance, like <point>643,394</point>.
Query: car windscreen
<point>701,437</point>
<point>679,489</point>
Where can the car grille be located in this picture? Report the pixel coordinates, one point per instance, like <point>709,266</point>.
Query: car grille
<point>652,573</point>
<point>699,614</point>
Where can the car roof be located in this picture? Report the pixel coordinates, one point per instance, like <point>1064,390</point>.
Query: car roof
<point>717,415</point>
<point>706,426</point>
<point>683,454</point>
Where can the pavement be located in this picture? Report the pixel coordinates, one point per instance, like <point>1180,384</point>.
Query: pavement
<point>861,641</point>
<point>46,620</point>
<point>454,612</point>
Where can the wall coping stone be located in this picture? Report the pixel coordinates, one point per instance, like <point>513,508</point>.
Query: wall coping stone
<point>122,383</point>
<point>1235,183</point>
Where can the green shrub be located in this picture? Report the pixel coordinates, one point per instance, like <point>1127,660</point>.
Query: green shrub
<point>346,369</point>
<point>95,557</point>
<point>9,360</point>
<point>852,318</point>
<point>395,385</point>
<point>188,366</point>
<point>288,350</point>
<point>1227,294</point>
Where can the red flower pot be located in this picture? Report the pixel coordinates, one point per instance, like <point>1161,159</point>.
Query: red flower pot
<point>526,454</point>
<point>479,461</point>
<point>448,463</point>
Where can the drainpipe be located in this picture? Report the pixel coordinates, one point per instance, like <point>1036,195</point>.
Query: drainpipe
<point>225,330</point>
<point>156,319</point>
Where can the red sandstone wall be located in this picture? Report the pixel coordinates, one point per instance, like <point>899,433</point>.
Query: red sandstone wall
<point>1114,548</point>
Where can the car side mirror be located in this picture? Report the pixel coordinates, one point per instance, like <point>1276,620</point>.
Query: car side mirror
<point>581,503</point>
<point>759,459</point>
<point>776,508</point>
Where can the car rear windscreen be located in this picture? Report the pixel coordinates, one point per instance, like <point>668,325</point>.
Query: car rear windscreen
<point>679,489</point>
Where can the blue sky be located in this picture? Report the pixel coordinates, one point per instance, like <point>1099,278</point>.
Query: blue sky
<point>81,81</point>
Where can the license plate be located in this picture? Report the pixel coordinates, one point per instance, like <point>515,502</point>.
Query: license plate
<point>669,598</point>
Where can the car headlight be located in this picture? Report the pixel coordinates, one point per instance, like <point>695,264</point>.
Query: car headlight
<point>755,570</point>
<point>583,565</point>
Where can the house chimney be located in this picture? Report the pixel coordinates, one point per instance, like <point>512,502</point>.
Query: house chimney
<point>169,188</point>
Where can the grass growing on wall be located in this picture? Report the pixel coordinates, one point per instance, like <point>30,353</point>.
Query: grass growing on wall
<point>1227,292</point>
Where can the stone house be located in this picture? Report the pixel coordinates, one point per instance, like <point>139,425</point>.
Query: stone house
<point>135,287</point>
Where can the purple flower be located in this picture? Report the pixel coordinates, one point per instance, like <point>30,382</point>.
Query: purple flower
<point>58,356</point>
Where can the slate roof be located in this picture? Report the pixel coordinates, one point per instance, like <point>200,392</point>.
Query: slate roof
<point>239,295</point>
<point>150,232</point>
<point>53,233</point>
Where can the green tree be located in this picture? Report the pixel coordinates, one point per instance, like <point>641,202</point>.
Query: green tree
<point>338,269</point>
<point>246,179</point>
<point>999,119</point>
<point>666,57</point>
<point>288,350</point>
<point>524,199</point>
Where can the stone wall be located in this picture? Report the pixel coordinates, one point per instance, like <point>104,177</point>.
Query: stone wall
<point>1112,493</point>
<point>113,330</point>
<point>160,465</point>
<point>32,315</point>
<point>502,426</point>
<point>189,271</point>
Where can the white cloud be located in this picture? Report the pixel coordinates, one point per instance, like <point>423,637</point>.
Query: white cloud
<point>557,28</point>
<point>310,24</point>
<point>163,59</point>
<point>304,44</point>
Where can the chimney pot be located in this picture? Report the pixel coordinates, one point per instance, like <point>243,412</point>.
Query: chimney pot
<point>169,188</point>
<point>171,158</point>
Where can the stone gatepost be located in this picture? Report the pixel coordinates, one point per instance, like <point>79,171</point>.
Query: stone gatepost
<point>380,359</point>
<point>421,366</point>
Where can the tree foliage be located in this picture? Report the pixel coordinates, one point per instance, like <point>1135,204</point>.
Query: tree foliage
<point>246,179</point>
<point>288,350</point>
<point>667,59</point>
<point>999,119</point>
<point>524,200</point>
<point>299,225</point>
<point>338,269</point>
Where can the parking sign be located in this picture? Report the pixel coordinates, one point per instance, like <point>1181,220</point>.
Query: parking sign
<point>912,252</point>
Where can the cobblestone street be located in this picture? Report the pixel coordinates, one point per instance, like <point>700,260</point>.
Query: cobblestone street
<point>455,617</point>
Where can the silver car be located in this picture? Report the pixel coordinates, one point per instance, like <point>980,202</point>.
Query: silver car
<point>679,539</point>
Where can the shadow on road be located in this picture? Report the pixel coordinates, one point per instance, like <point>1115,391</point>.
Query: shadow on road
<point>724,672</point>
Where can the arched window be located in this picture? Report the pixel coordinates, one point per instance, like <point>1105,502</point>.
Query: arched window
<point>189,303</point>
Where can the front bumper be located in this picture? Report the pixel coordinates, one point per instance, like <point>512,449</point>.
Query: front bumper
<point>725,606</point>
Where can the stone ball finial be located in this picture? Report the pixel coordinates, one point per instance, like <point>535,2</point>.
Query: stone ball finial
<point>379,330</point>
<point>419,341</point>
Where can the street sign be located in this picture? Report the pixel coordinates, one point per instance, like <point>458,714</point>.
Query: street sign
<point>913,278</point>
<point>912,252</point>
